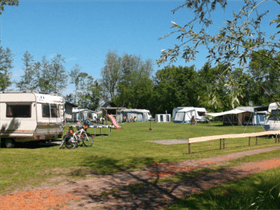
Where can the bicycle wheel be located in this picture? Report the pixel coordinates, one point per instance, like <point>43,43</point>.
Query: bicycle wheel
<point>62,142</point>
<point>87,141</point>
<point>70,143</point>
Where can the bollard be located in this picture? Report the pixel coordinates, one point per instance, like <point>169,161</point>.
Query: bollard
<point>220,144</point>
<point>189,148</point>
<point>224,144</point>
<point>256,140</point>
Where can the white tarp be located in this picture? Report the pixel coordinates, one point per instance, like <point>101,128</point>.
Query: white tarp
<point>234,111</point>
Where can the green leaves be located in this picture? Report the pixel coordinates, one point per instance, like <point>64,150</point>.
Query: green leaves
<point>6,60</point>
<point>7,2</point>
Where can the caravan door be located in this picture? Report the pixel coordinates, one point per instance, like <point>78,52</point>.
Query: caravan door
<point>49,121</point>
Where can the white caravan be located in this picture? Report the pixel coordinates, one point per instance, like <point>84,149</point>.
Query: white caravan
<point>273,122</point>
<point>185,115</point>
<point>30,117</point>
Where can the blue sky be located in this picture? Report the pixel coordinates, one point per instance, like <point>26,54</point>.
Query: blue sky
<point>83,31</point>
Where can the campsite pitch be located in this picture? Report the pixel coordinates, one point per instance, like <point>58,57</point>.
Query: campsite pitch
<point>139,189</point>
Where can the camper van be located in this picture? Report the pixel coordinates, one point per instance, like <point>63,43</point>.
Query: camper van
<point>185,115</point>
<point>30,117</point>
<point>273,122</point>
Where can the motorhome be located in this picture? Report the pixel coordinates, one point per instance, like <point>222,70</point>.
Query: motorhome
<point>273,122</point>
<point>185,115</point>
<point>30,117</point>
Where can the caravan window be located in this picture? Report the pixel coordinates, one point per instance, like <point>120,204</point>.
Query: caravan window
<point>45,110</point>
<point>18,111</point>
<point>50,110</point>
<point>54,111</point>
<point>275,115</point>
<point>201,113</point>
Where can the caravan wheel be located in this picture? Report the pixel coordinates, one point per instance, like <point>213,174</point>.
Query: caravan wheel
<point>9,143</point>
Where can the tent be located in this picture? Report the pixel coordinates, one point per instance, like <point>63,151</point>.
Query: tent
<point>185,115</point>
<point>242,116</point>
<point>142,115</point>
<point>83,114</point>
<point>163,118</point>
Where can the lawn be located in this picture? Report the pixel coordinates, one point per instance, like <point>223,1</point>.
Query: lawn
<point>124,149</point>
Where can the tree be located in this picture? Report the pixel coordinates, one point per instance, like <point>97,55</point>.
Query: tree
<point>27,81</point>
<point>43,76</point>
<point>70,98</point>
<point>175,86</point>
<point>90,95</point>
<point>240,36</point>
<point>265,77</point>
<point>58,74</point>
<point>110,75</point>
<point>134,76</point>
<point>7,2</point>
<point>76,78</point>
<point>6,60</point>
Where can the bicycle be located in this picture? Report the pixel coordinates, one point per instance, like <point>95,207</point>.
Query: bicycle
<point>71,139</point>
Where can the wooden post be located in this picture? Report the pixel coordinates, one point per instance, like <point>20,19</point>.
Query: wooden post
<point>189,148</point>
<point>276,136</point>
<point>256,140</point>
<point>220,144</point>
<point>224,144</point>
<point>249,141</point>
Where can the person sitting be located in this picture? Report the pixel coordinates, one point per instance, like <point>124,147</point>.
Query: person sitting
<point>87,124</point>
<point>78,125</point>
<point>124,119</point>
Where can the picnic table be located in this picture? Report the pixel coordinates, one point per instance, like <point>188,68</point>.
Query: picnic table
<point>100,126</point>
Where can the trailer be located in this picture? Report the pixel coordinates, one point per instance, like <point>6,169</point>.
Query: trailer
<point>273,121</point>
<point>185,115</point>
<point>30,117</point>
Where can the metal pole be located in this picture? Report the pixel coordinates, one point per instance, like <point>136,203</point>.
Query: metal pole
<point>249,141</point>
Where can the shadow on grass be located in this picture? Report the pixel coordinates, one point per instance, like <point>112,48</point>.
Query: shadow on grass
<point>256,192</point>
<point>36,144</point>
<point>194,189</point>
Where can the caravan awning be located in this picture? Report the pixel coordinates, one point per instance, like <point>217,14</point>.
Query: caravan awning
<point>234,111</point>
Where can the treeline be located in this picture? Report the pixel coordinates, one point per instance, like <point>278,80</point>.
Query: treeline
<point>209,87</point>
<point>129,81</point>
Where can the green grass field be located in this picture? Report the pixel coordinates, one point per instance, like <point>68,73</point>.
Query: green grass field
<point>125,149</point>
